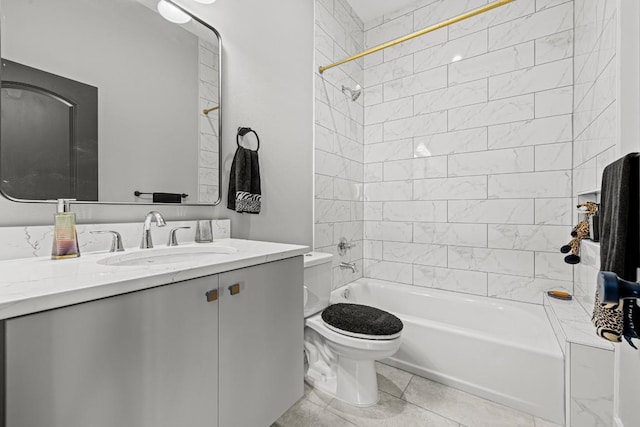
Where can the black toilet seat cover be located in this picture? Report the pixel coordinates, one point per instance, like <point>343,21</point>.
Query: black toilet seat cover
<point>361,319</point>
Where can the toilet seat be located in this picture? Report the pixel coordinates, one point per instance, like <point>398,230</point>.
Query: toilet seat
<point>316,323</point>
<point>362,321</point>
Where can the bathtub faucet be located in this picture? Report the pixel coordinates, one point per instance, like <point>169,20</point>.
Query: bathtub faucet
<point>351,265</point>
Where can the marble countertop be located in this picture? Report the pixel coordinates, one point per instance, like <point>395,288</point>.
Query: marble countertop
<point>30,285</point>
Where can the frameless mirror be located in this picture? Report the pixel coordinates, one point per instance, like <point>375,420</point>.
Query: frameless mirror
<point>107,101</point>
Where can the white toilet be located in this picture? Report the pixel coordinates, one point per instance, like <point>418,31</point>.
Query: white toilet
<point>340,356</point>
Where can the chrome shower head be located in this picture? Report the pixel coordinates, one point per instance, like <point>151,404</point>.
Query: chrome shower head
<point>355,93</point>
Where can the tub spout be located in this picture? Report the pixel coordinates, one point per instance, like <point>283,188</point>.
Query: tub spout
<point>351,265</point>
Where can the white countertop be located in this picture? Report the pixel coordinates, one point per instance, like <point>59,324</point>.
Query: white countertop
<point>30,285</point>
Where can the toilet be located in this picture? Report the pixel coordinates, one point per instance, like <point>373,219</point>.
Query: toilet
<point>343,341</point>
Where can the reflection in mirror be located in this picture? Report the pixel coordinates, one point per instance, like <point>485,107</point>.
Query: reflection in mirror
<point>101,99</point>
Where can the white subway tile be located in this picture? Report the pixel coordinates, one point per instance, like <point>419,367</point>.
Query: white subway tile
<point>470,282</point>
<point>541,24</point>
<point>531,132</point>
<point>545,4</point>
<point>332,210</point>
<point>409,47</point>
<point>553,157</point>
<point>492,113</point>
<point>373,249</point>
<point>426,124</point>
<point>418,210</point>
<point>491,64</point>
<point>585,176</point>
<point>536,184</point>
<point>323,187</point>
<point>386,111</point>
<point>498,16</point>
<point>373,172</point>
<point>357,211</point>
<point>331,165</point>
<point>323,43</point>
<point>519,263</point>
<point>391,271</point>
<point>373,134</point>
<point>416,83</point>
<point>323,235</point>
<point>373,211</point>
<point>554,102</point>
<point>525,289</point>
<point>415,253</point>
<point>382,191</point>
<point>451,97</point>
<point>388,231</point>
<point>347,190</point>
<point>351,230</point>
<point>373,59</point>
<point>389,31</point>
<point>492,162</point>
<point>387,71</point>
<point>471,187</point>
<point>554,47</point>
<point>552,266</point>
<point>385,151</point>
<point>600,135</point>
<point>463,48</point>
<point>517,211</point>
<point>418,168</point>
<point>544,238</point>
<point>597,99</point>
<point>450,234</point>
<point>372,95</point>
<point>538,78</point>
<point>439,11</point>
<point>451,142</point>
<point>554,211</point>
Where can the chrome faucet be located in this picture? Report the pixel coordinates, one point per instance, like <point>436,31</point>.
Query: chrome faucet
<point>146,229</point>
<point>351,265</point>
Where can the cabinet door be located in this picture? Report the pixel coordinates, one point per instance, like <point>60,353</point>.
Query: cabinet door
<point>143,359</point>
<point>261,342</point>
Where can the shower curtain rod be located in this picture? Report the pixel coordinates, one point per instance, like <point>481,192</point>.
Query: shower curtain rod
<point>443,24</point>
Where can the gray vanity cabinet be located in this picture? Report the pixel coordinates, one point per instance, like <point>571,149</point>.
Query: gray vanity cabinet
<point>261,342</point>
<point>143,359</point>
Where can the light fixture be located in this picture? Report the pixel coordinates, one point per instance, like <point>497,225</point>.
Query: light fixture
<point>456,58</point>
<point>172,13</point>
<point>205,1</point>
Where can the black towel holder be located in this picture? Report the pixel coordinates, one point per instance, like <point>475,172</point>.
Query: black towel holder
<point>242,131</point>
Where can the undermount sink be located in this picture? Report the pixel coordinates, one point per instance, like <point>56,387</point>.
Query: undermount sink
<point>168,255</point>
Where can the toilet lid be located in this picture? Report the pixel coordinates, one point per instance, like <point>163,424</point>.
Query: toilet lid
<point>362,321</point>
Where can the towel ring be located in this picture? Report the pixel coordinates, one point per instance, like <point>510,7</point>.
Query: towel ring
<point>242,131</point>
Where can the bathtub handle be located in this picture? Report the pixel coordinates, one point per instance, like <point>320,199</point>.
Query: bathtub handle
<point>345,245</point>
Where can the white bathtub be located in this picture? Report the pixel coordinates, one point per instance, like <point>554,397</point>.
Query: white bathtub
<point>501,350</point>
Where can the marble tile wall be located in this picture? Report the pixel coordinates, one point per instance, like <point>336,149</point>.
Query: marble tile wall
<point>468,148</point>
<point>595,119</point>
<point>339,126</point>
<point>208,165</point>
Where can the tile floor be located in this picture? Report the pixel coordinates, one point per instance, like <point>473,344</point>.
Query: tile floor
<point>406,400</point>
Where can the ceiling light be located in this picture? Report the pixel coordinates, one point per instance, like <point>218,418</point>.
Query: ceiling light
<point>172,13</point>
<point>456,58</point>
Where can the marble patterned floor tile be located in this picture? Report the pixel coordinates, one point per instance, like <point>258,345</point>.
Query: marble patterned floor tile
<point>316,396</point>
<point>390,412</point>
<point>307,414</point>
<point>469,410</point>
<point>392,380</point>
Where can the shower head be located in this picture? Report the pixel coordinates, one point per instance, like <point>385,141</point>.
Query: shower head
<point>355,93</point>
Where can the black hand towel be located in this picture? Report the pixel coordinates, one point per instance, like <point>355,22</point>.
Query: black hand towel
<point>619,244</point>
<point>244,182</point>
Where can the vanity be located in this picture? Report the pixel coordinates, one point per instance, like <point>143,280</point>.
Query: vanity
<point>211,340</point>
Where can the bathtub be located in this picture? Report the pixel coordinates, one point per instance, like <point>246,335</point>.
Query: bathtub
<point>501,350</point>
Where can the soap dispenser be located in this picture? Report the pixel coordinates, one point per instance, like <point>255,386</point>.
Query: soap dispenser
<point>65,237</point>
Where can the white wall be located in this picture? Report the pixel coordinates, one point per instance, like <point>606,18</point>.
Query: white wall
<point>468,163</point>
<point>267,84</point>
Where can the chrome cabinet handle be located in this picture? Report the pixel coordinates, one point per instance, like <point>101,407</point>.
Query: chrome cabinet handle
<point>212,295</point>
<point>234,289</point>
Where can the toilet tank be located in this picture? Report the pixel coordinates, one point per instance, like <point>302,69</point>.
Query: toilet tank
<point>317,282</point>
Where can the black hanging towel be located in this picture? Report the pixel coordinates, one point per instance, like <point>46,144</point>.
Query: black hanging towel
<point>244,182</point>
<point>619,246</point>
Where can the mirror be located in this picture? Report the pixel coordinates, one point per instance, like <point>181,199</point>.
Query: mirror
<point>106,101</point>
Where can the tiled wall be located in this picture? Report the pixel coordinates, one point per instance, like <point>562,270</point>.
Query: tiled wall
<point>467,149</point>
<point>338,136</point>
<point>595,115</point>
<point>208,185</point>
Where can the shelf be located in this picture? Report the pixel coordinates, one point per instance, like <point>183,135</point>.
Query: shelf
<point>589,192</point>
